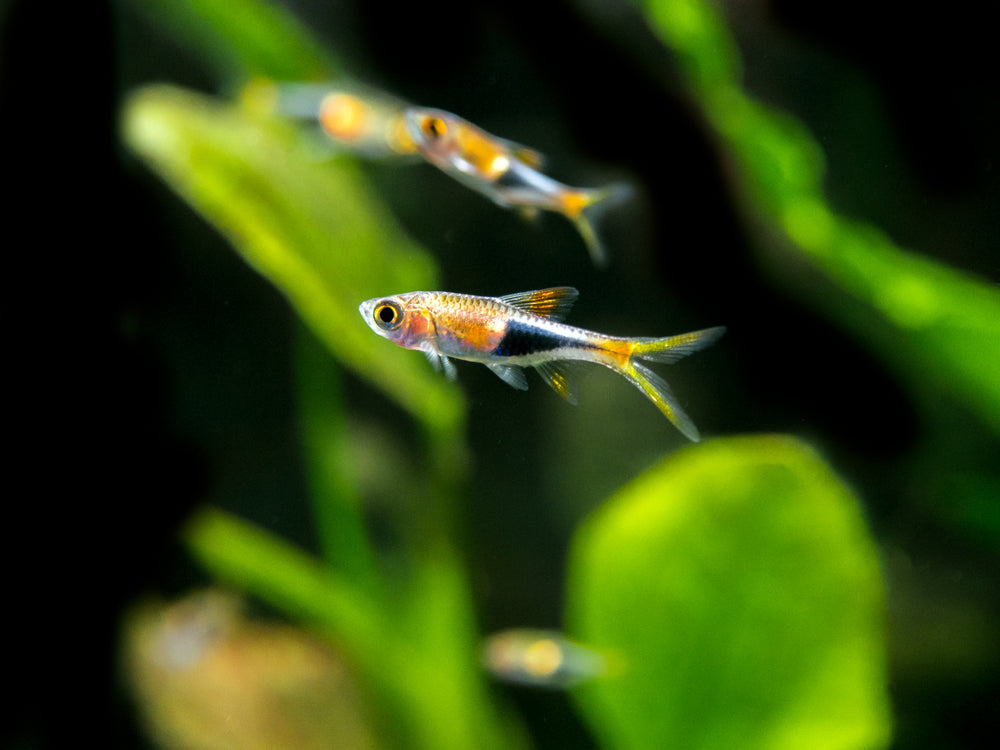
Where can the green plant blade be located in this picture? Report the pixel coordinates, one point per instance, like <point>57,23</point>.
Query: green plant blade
<point>242,38</point>
<point>326,440</point>
<point>421,655</point>
<point>923,311</point>
<point>740,593</point>
<point>313,229</point>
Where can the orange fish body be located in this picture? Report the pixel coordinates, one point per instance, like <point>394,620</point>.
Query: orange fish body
<point>361,119</point>
<point>525,330</point>
<point>507,172</point>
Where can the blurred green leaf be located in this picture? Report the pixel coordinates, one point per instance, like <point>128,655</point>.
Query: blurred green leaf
<point>738,587</point>
<point>944,320</point>
<point>420,654</point>
<point>326,444</point>
<point>313,229</point>
<point>243,38</point>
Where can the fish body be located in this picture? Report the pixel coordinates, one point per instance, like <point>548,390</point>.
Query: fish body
<point>523,330</point>
<point>374,125</point>
<point>361,119</point>
<point>541,658</point>
<point>507,172</point>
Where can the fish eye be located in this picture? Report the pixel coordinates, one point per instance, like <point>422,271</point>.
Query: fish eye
<point>434,127</point>
<point>388,315</point>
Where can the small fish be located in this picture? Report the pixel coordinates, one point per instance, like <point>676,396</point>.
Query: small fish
<point>525,330</point>
<point>508,173</point>
<point>541,658</point>
<point>362,119</point>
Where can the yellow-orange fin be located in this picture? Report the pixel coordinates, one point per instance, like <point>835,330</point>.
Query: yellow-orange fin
<point>555,374</point>
<point>585,209</point>
<point>554,303</point>
<point>673,348</point>
<point>657,390</point>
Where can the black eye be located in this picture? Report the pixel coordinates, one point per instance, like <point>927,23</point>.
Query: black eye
<point>434,127</point>
<point>388,315</point>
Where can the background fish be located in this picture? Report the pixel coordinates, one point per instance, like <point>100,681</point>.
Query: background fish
<point>508,173</point>
<point>524,330</point>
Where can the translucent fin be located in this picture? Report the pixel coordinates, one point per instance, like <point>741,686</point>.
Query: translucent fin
<point>439,361</point>
<point>527,155</point>
<point>673,348</point>
<point>528,213</point>
<point>585,208</point>
<point>556,376</point>
<point>510,374</point>
<point>554,303</point>
<point>658,391</point>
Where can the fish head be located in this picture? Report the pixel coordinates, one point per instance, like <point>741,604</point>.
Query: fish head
<point>457,146</point>
<point>402,319</point>
<point>438,135</point>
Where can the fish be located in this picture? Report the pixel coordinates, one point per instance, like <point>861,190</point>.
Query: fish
<point>361,119</point>
<point>541,658</point>
<point>509,173</point>
<point>516,331</point>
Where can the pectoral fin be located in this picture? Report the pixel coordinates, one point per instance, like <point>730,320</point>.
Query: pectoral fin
<point>439,361</point>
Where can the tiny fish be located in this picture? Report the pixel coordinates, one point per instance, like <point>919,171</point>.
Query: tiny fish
<point>508,173</point>
<point>541,658</point>
<point>525,330</point>
<point>362,119</point>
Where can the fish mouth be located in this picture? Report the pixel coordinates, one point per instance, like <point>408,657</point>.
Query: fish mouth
<point>365,310</point>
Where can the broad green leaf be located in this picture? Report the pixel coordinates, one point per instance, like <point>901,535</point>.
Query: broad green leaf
<point>315,230</point>
<point>739,592</point>
<point>944,319</point>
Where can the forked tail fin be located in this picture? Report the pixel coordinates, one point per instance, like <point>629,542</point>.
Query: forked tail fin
<point>585,209</point>
<point>668,349</point>
<point>673,348</point>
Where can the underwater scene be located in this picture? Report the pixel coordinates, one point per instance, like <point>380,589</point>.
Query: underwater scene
<point>573,374</point>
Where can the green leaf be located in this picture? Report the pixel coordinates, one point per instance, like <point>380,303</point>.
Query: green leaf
<point>739,591</point>
<point>924,312</point>
<point>243,38</point>
<point>315,230</point>
<point>329,465</point>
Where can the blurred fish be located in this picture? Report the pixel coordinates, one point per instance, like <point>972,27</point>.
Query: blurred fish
<point>540,658</point>
<point>524,330</point>
<point>508,173</point>
<point>362,119</point>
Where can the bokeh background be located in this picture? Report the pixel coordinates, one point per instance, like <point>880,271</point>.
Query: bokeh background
<point>158,368</point>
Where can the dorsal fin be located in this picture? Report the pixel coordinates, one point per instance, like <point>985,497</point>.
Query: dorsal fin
<point>554,303</point>
<point>525,154</point>
<point>528,156</point>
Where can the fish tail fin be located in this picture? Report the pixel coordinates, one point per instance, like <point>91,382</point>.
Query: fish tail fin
<point>673,348</point>
<point>585,209</point>
<point>668,350</point>
<point>657,390</point>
